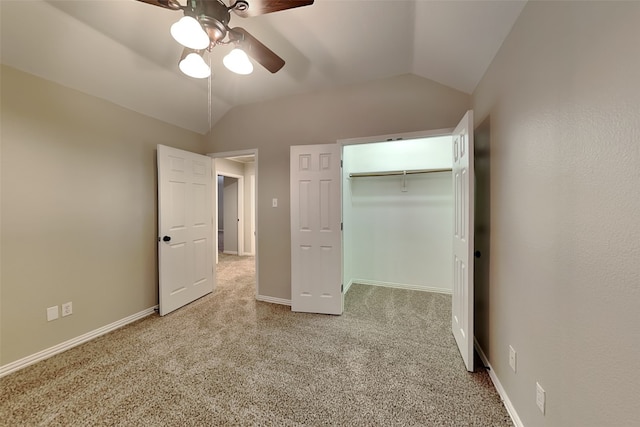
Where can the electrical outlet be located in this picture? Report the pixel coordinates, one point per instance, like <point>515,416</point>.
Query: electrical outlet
<point>540,397</point>
<point>274,203</point>
<point>67,309</point>
<point>52,313</point>
<point>512,358</point>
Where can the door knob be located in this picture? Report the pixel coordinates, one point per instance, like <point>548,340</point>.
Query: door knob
<point>477,254</point>
<point>166,239</point>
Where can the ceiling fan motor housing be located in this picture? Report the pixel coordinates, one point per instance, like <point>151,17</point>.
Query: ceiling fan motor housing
<point>214,17</point>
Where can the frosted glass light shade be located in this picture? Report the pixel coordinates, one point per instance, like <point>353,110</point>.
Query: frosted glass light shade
<point>189,33</point>
<point>193,65</point>
<point>238,62</point>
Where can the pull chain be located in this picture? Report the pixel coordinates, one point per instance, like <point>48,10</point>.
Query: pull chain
<point>209,93</point>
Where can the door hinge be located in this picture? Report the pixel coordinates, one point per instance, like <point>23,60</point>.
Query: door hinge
<point>342,288</point>
<point>341,226</point>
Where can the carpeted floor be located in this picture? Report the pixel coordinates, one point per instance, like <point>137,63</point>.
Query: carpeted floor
<point>227,359</point>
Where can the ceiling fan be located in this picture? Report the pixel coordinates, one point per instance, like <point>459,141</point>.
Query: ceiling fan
<point>205,24</point>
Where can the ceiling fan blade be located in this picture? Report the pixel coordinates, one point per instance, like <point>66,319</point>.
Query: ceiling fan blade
<point>255,49</point>
<point>167,4</point>
<point>260,7</point>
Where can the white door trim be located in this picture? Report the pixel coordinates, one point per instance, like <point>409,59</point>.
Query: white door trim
<point>396,136</point>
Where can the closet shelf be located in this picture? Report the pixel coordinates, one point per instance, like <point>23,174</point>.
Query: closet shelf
<point>389,173</point>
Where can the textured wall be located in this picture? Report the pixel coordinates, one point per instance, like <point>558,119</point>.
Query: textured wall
<point>562,101</point>
<point>400,104</point>
<point>78,211</point>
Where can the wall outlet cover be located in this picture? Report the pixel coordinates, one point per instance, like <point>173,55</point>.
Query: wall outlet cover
<point>67,309</point>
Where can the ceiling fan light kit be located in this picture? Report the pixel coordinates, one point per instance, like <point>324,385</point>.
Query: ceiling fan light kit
<point>192,64</point>
<point>205,24</point>
<point>238,62</point>
<point>189,33</point>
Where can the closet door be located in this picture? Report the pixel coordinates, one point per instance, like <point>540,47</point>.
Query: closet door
<point>316,238</point>
<point>463,191</point>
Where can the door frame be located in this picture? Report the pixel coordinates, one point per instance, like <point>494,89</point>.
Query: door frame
<point>396,137</point>
<point>254,212</point>
<point>376,139</point>
<point>399,137</point>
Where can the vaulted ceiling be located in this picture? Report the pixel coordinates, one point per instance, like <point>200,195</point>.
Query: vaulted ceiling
<point>122,51</point>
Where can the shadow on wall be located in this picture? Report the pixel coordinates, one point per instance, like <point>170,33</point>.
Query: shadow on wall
<point>482,233</point>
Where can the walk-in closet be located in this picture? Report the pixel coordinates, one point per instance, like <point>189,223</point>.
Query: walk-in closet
<point>398,213</point>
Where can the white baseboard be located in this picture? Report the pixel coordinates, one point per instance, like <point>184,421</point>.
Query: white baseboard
<point>230,252</point>
<point>401,286</point>
<point>496,382</point>
<point>273,300</point>
<point>346,288</point>
<point>59,348</point>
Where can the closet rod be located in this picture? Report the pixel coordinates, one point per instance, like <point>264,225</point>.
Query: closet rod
<point>407,172</point>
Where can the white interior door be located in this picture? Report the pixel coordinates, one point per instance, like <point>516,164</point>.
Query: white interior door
<point>463,192</point>
<point>185,242</point>
<point>316,240</point>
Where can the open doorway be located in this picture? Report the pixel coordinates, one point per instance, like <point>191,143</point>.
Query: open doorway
<point>235,209</point>
<point>228,215</point>
<point>397,208</point>
<point>455,199</point>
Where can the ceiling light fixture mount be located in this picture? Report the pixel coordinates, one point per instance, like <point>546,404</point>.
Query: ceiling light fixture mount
<point>240,5</point>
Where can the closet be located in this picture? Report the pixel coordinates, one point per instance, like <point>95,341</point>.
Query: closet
<point>397,211</point>
<point>407,220</point>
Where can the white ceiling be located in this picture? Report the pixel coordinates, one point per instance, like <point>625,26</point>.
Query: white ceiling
<point>121,50</point>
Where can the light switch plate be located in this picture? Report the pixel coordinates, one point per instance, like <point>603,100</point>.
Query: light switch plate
<point>52,313</point>
<point>540,398</point>
<point>512,359</point>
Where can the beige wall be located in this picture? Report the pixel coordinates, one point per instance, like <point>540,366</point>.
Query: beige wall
<point>562,102</point>
<point>561,105</point>
<point>78,211</point>
<point>400,104</point>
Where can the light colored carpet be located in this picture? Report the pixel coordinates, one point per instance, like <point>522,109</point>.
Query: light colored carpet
<point>227,359</point>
